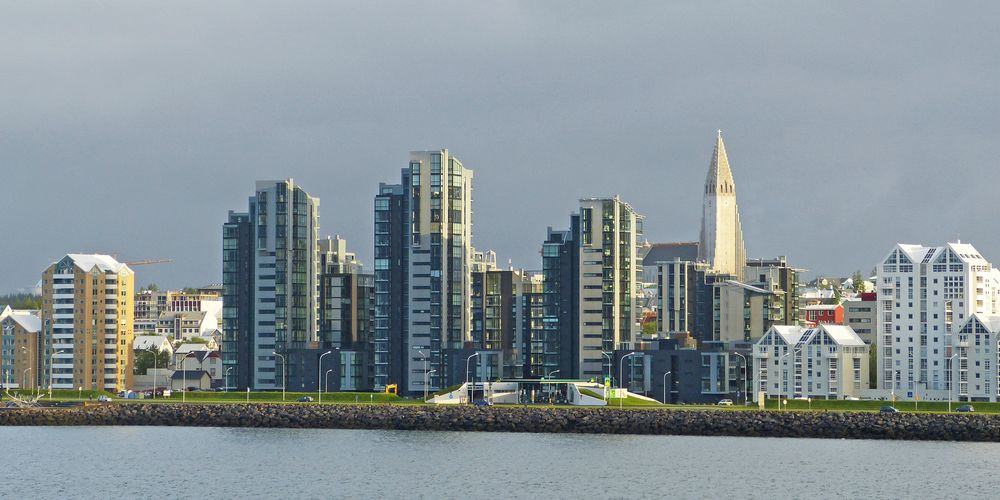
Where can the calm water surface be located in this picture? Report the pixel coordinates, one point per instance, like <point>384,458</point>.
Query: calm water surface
<point>171,462</point>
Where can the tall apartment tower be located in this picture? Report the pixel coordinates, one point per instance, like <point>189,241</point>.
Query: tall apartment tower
<point>925,295</point>
<point>391,283</point>
<point>721,244</point>
<point>86,319</point>
<point>608,279</point>
<point>423,227</point>
<point>270,279</point>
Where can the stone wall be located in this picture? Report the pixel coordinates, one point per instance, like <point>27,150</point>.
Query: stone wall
<point>833,425</point>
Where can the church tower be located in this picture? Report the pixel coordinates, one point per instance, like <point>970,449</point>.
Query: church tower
<point>721,233</point>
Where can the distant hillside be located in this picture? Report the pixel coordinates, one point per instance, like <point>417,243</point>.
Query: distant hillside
<point>21,301</point>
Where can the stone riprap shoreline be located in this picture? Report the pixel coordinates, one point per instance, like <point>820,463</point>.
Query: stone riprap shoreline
<point>834,425</point>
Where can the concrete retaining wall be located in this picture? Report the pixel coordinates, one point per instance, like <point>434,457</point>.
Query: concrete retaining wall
<point>527,419</point>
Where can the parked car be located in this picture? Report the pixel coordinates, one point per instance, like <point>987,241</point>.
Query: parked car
<point>305,399</point>
<point>104,399</point>
<point>965,409</point>
<point>850,398</point>
<point>725,402</point>
<point>888,409</point>
<point>482,402</point>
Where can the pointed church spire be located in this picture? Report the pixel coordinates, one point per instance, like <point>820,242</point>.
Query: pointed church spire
<point>720,178</point>
<point>721,242</point>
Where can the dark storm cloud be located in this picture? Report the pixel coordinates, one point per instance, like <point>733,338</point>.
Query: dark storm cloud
<point>132,128</point>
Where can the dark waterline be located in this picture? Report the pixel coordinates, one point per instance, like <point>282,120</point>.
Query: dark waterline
<point>179,462</point>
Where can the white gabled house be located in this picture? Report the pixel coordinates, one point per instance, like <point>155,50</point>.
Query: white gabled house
<point>976,359</point>
<point>824,362</point>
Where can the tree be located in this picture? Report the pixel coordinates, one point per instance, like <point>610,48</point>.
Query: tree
<point>838,294</point>
<point>873,365</point>
<point>21,301</point>
<point>649,328</point>
<point>144,360</point>
<point>857,282</point>
<point>152,287</point>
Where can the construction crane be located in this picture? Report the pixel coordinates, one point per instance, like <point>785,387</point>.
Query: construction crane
<point>148,262</point>
<point>144,262</point>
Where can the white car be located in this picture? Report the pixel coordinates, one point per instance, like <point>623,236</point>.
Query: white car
<point>104,399</point>
<point>725,402</point>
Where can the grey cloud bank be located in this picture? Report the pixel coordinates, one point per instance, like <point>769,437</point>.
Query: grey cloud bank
<point>132,129</point>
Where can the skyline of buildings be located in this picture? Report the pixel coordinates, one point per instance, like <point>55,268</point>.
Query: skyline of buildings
<point>435,310</point>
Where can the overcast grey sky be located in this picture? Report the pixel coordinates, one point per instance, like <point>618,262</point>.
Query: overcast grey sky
<point>133,127</point>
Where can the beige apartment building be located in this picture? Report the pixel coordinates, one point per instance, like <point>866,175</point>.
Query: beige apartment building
<point>87,319</point>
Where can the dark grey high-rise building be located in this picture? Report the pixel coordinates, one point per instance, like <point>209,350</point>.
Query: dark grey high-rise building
<point>238,299</point>
<point>270,272</point>
<point>554,347</point>
<point>391,284</point>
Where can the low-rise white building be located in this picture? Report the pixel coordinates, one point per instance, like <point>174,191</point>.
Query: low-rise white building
<point>825,362</point>
<point>159,343</point>
<point>206,361</point>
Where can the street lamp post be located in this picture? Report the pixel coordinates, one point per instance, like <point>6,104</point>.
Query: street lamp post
<point>154,372</point>
<point>427,376</point>
<point>318,375</point>
<point>744,377</point>
<point>951,383</point>
<point>24,377</point>
<point>24,350</point>
<point>665,386</point>
<point>225,376</point>
<point>467,374</point>
<point>52,362</point>
<point>284,372</point>
<point>551,373</point>
<point>326,379</point>
<point>621,375</point>
<point>611,363</point>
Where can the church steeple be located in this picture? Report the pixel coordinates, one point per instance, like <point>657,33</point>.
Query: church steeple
<point>720,178</point>
<point>721,243</point>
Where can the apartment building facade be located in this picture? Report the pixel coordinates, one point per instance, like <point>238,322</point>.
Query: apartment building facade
<point>824,362</point>
<point>270,281</point>
<point>925,294</point>
<point>21,347</point>
<point>610,230</point>
<point>87,321</point>
<point>423,229</point>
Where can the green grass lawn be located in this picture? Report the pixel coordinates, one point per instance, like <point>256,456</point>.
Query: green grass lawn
<point>631,402</point>
<point>289,397</point>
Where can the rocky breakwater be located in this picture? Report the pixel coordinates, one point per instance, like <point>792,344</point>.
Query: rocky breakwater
<point>527,419</point>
